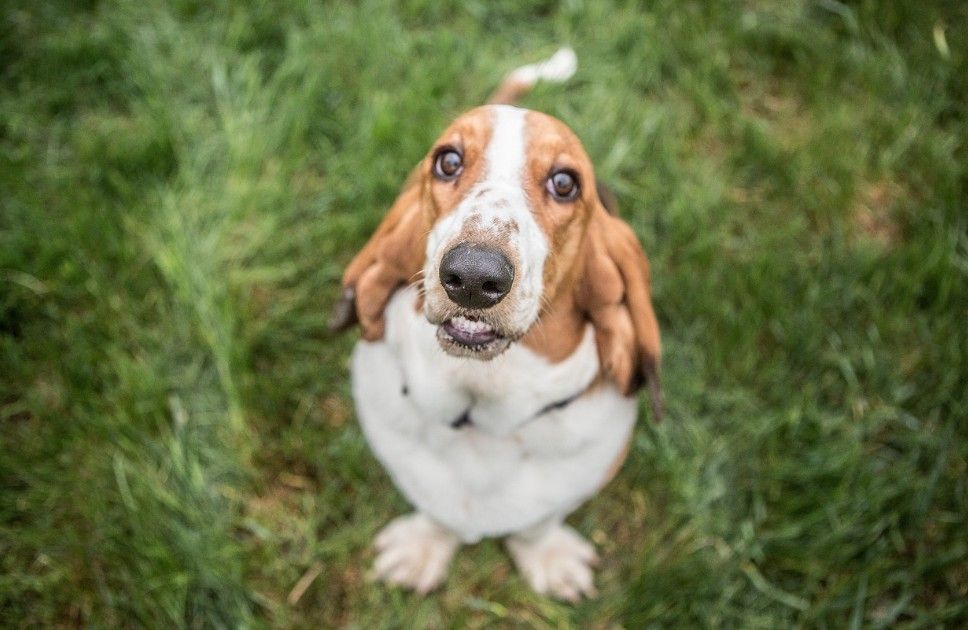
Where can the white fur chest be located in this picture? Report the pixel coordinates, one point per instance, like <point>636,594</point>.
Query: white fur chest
<point>518,462</point>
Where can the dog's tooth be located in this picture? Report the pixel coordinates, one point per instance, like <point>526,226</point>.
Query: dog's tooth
<point>469,326</point>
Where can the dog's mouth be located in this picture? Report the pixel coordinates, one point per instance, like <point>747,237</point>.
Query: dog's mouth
<point>468,336</point>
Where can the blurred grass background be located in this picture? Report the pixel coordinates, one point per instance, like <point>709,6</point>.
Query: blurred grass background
<point>182,182</point>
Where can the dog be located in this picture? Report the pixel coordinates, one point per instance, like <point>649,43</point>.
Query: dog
<point>507,323</point>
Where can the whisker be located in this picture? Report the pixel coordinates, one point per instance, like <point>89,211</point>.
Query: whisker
<point>418,285</point>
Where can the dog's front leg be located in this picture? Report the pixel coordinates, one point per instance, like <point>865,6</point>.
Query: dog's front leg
<point>414,551</point>
<point>555,560</point>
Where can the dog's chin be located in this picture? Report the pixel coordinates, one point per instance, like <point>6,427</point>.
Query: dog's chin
<point>467,337</point>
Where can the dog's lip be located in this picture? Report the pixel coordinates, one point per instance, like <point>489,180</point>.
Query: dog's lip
<point>471,332</point>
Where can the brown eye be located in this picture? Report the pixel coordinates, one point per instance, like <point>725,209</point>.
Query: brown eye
<point>448,164</point>
<point>563,185</point>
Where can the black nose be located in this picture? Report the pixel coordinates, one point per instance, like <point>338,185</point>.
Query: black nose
<point>476,277</point>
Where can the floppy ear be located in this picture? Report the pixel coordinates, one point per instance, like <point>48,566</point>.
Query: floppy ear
<point>392,257</point>
<point>615,294</point>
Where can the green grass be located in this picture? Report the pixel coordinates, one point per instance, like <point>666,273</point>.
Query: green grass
<point>181,185</point>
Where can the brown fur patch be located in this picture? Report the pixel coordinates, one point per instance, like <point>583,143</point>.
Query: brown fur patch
<point>510,92</point>
<point>615,293</point>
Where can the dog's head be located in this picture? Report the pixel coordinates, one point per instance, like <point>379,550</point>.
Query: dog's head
<point>512,192</point>
<point>500,224</point>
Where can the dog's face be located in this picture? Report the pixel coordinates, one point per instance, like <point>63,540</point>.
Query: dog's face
<point>510,193</point>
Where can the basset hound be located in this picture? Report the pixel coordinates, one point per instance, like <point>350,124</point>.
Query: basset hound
<point>507,323</point>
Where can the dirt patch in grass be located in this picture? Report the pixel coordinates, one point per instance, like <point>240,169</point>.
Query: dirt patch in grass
<point>873,213</point>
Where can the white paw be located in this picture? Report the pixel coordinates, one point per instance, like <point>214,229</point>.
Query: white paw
<point>558,563</point>
<point>413,552</point>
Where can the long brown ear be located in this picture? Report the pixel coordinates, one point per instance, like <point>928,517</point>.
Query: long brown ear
<point>615,293</point>
<point>392,257</point>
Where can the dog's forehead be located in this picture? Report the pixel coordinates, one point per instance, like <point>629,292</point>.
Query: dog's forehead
<point>544,131</point>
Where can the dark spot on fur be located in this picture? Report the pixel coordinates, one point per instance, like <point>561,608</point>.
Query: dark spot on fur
<point>463,421</point>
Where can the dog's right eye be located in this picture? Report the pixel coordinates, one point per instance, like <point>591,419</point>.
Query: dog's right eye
<point>448,164</point>
<point>563,185</point>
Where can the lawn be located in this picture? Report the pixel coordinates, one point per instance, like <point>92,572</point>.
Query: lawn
<point>181,184</point>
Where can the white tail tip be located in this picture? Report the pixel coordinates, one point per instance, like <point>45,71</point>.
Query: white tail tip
<point>558,68</point>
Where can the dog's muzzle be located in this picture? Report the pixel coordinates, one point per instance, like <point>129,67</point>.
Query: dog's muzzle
<point>475,278</point>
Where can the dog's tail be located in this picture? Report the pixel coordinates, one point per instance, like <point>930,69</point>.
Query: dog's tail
<point>557,69</point>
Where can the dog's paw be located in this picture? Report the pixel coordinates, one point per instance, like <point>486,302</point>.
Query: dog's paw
<point>558,563</point>
<point>414,552</point>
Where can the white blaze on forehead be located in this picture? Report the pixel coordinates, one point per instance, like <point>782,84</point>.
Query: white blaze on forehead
<point>505,152</point>
<point>496,201</point>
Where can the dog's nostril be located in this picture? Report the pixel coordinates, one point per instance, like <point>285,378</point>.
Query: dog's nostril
<point>453,282</point>
<point>492,288</point>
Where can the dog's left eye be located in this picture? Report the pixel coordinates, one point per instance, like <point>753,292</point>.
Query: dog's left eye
<point>563,185</point>
<point>448,164</point>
